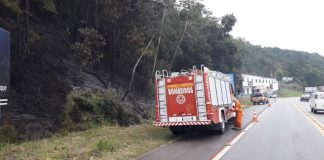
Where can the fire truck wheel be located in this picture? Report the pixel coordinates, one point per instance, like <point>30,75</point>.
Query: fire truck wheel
<point>222,126</point>
<point>176,130</point>
<point>218,128</point>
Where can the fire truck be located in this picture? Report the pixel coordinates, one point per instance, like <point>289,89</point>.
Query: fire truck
<point>197,98</point>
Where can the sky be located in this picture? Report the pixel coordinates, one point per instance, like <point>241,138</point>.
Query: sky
<point>287,24</point>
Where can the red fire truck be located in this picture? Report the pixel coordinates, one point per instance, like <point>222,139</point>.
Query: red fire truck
<point>193,98</point>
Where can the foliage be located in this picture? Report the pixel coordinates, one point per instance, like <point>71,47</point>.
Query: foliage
<point>107,38</point>
<point>47,5</point>
<point>8,134</point>
<point>288,93</point>
<point>17,6</point>
<point>11,4</point>
<point>88,47</point>
<point>305,68</point>
<point>91,109</point>
<point>116,32</point>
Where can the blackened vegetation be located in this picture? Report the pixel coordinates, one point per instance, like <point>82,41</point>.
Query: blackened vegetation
<point>72,60</point>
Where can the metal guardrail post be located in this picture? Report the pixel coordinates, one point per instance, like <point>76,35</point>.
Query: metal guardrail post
<point>3,102</point>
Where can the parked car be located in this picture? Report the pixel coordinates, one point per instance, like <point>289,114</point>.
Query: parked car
<point>317,102</point>
<point>305,97</point>
<point>259,98</point>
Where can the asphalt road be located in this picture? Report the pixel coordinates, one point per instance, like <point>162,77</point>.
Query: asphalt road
<point>286,131</point>
<point>200,145</point>
<point>319,116</point>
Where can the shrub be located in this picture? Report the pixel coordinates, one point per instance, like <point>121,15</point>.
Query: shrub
<point>8,134</point>
<point>92,109</point>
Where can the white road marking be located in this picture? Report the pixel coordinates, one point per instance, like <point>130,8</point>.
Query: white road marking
<point>237,138</point>
<point>221,153</point>
<point>260,115</point>
<point>249,126</point>
<point>228,146</point>
<point>313,120</point>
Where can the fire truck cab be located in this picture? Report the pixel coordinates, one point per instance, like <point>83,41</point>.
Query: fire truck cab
<point>195,98</point>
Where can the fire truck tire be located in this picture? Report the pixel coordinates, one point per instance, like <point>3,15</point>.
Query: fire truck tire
<point>222,126</point>
<point>218,128</point>
<point>176,130</point>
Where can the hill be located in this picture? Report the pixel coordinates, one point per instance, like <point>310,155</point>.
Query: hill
<point>72,61</point>
<point>306,68</point>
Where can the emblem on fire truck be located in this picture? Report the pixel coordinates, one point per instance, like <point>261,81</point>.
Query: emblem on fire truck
<point>181,99</point>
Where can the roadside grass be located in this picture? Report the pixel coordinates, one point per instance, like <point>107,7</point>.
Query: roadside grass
<point>246,101</point>
<point>106,142</point>
<point>288,93</point>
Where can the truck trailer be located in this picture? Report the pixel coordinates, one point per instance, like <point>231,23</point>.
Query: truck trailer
<point>197,98</point>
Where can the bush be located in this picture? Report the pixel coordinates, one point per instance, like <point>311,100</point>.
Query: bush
<point>92,109</point>
<point>8,134</point>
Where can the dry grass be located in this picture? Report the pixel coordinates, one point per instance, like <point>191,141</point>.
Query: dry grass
<point>107,142</point>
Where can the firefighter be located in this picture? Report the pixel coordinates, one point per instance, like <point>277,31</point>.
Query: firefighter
<point>237,108</point>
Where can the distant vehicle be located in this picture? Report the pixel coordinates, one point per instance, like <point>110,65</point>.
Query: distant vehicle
<point>305,97</point>
<point>259,89</point>
<point>320,88</point>
<point>310,89</point>
<point>317,102</point>
<point>259,98</point>
<point>273,95</point>
<point>199,98</point>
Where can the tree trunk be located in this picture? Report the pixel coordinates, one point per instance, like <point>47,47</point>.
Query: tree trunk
<point>26,38</point>
<point>96,14</point>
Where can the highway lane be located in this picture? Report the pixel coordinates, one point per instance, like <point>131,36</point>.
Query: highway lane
<point>200,145</point>
<point>319,116</point>
<point>284,132</point>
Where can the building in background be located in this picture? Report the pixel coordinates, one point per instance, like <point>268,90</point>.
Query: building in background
<point>287,79</point>
<point>264,84</point>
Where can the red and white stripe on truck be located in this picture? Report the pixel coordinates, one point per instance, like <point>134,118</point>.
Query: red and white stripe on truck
<point>192,98</point>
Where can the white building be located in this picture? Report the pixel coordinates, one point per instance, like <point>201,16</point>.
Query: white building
<point>252,81</point>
